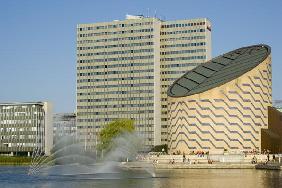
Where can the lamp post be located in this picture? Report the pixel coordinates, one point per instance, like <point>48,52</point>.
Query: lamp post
<point>96,142</point>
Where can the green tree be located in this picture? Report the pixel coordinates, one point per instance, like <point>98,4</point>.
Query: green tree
<point>160,148</point>
<point>112,130</point>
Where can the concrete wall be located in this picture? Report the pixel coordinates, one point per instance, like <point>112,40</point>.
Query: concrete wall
<point>48,108</point>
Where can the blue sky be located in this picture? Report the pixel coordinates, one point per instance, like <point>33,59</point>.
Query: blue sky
<point>37,38</point>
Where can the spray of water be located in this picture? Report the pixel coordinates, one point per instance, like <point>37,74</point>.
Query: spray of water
<point>70,158</point>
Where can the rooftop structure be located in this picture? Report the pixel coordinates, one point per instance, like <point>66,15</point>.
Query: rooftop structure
<point>219,70</point>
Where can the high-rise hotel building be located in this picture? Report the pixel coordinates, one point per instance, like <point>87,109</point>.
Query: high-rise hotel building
<point>124,69</point>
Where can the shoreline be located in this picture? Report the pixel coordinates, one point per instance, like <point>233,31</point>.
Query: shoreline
<point>15,161</point>
<point>141,165</point>
<point>14,164</point>
<point>218,165</point>
<point>205,166</point>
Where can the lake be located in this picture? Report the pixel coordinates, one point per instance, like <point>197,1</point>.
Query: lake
<point>15,176</point>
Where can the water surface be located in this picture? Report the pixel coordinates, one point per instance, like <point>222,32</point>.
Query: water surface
<point>17,177</point>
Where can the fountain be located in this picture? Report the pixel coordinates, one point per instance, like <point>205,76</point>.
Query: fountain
<point>70,159</point>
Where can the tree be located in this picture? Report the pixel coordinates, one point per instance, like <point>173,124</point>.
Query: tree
<point>160,148</point>
<point>112,130</point>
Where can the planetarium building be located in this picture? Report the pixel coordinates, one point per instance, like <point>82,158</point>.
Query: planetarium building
<point>222,104</point>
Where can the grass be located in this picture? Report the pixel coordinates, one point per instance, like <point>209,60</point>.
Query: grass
<point>15,160</point>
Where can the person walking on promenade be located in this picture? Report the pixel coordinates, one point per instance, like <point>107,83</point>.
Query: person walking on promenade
<point>254,160</point>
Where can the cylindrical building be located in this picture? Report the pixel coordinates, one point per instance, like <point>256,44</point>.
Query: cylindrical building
<point>222,104</point>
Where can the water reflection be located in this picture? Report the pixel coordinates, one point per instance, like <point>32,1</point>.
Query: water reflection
<point>221,178</point>
<point>17,177</point>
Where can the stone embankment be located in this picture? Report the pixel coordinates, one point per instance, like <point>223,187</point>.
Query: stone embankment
<point>204,159</point>
<point>225,161</point>
<point>269,166</point>
<point>206,166</point>
<point>218,165</point>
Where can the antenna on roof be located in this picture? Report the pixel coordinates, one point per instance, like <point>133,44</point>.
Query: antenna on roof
<point>148,12</point>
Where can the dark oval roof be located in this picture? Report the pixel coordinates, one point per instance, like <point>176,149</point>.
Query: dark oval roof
<point>219,70</point>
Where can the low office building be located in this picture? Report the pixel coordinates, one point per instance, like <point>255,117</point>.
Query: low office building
<point>64,125</point>
<point>25,127</point>
<point>222,104</point>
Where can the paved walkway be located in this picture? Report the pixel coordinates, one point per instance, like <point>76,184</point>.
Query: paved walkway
<point>205,166</point>
<point>226,161</point>
<point>218,165</point>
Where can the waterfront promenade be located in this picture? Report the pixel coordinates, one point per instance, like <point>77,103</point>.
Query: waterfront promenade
<point>223,161</point>
<point>206,158</point>
<point>218,165</point>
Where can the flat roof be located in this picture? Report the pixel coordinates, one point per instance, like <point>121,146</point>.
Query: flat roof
<point>219,70</point>
<point>20,103</point>
<point>103,23</point>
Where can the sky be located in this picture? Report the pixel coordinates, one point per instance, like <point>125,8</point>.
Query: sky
<point>38,38</point>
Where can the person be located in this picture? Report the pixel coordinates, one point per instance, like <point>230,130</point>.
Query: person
<point>172,161</point>
<point>184,157</point>
<point>254,160</point>
<point>268,157</point>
